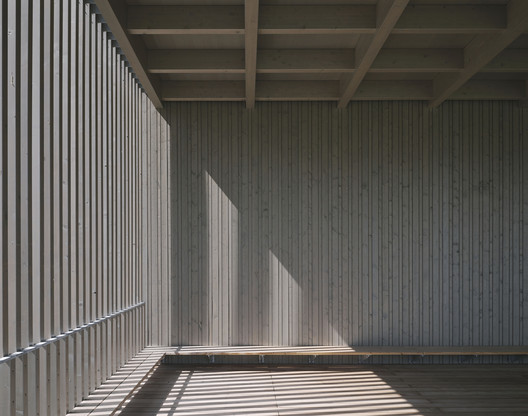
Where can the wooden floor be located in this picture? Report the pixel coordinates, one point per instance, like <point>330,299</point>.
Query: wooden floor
<point>359,390</point>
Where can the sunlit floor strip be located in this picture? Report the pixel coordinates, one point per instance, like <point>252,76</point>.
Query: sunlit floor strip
<point>381,390</point>
<point>111,393</point>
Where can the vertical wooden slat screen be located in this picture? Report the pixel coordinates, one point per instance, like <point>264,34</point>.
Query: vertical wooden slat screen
<point>84,158</point>
<point>385,223</point>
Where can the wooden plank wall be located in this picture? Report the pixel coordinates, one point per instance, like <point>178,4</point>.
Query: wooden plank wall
<point>84,158</point>
<point>385,223</point>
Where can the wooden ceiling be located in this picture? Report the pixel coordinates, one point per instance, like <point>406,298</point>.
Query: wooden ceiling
<point>339,50</point>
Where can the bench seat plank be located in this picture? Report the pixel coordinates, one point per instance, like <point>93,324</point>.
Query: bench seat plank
<point>345,350</point>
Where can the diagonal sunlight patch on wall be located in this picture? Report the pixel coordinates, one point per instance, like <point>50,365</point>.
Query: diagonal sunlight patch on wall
<point>222,250</point>
<point>288,303</point>
<point>283,303</point>
<point>285,307</point>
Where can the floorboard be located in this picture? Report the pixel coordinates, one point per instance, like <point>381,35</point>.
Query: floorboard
<point>311,390</point>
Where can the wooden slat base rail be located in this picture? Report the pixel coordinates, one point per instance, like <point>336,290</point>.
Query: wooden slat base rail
<point>55,339</point>
<point>359,350</point>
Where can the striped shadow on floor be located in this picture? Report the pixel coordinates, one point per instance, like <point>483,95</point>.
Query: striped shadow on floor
<point>331,390</point>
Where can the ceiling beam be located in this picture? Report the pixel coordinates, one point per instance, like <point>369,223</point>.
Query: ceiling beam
<point>318,19</point>
<point>204,61</point>
<point>251,35</point>
<point>310,19</point>
<point>265,91</point>
<point>196,61</point>
<point>509,60</point>
<point>321,61</point>
<point>329,90</point>
<point>203,91</point>
<point>452,19</point>
<point>481,51</point>
<point>305,61</point>
<point>394,90</point>
<point>388,12</point>
<point>481,89</point>
<point>192,20</point>
<point>113,12</point>
<point>418,60</point>
<point>297,90</point>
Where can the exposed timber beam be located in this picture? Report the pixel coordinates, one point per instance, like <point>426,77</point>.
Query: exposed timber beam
<point>314,19</point>
<point>307,61</point>
<point>393,90</point>
<point>310,61</point>
<point>451,19</point>
<point>178,20</point>
<point>481,51</point>
<point>418,60</point>
<point>114,13</point>
<point>297,90</point>
<point>308,19</point>
<point>480,89</point>
<point>203,91</point>
<point>509,60</point>
<point>203,61</point>
<point>388,13</point>
<point>197,61</point>
<point>251,35</point>
<point>329,90</point>
<point>265,90</point>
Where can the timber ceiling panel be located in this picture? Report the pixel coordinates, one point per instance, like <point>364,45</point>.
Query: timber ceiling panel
<point>340,50</point>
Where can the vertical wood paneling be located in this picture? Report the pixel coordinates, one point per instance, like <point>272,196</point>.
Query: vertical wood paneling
<point>383,224</point>
<point>10,325</point>
<point>3,239</point>
<point>24,174</point>
<point>76,193</point>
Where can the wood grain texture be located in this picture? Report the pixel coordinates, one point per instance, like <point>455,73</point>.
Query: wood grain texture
<point>150,386</point>
<point>387,224</point>
<point>388,12</point>
<point>251,10</point>
<point>72,203</point>
<point>482,50</point>
<point>309,390</point>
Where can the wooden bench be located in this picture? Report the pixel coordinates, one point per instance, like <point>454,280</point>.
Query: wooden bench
<point>344,350</point>
<point>309,354</point>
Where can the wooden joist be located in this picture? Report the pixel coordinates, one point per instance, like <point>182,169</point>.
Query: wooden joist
<point>309,61</point>
<point>329,90</point>
<point>178,20</point>
<point>451,19</point>
<point>388,13</point>
<point>418,60</point>
<point>251,36</point>
<point>479,89</point>
<point>203,91</point>
<point>482,50</point>
<point>222,49</point>
<point>115,12</point>
<point>269,61</point>
<point>198,61</point>
<point>313,19</point>
<point>509,60</point>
